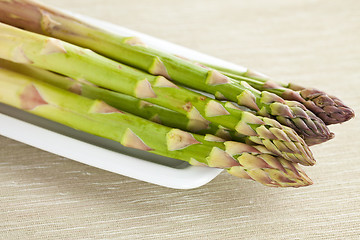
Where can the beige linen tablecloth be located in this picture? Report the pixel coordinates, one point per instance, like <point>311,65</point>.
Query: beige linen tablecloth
<point>315,43</point>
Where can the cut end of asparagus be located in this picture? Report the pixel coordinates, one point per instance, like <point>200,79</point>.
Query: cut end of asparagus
<point>270,171</point>
<point>329,108</point>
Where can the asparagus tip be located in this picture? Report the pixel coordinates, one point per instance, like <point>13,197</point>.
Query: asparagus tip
<point>270,171</point>
<point>331,109</point>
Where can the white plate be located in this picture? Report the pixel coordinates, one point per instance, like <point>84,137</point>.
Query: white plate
<point>103,153</point>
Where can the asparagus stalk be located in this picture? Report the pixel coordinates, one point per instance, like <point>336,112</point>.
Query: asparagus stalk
<point>96,117</point>
<point>118,100</point>
<point>269,171</point>
<point>121,101</point>
<point>84,65</point>
<point>61,57</point>
<point>132,105</point>
<point>130,50</point>
<point>327,107</point>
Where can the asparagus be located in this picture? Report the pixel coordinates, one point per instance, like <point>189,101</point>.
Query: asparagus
<point>118,100</point>
<point>67,59</point>
<point>327,107</point>
<point>61,57</point>
<point>130,50</point>
<point>131,105</point>
<point>96,117</point>
<point>266,168</point>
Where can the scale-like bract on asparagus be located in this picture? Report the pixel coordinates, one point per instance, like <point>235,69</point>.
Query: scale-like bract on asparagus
<point>327,107</point>
<point>61,57</point>
<point>98,118</point>
<point>130,50</point>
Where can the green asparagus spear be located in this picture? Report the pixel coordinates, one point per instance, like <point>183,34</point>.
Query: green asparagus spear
<point>133,105</point>
<point>85,65</point>
<point>327,107</point>
<point>52,54</point>
<point>121,101</point>
<point>118,100</point>
<point>130,50</point>
<point>269,170</point>
<point>98,118</point>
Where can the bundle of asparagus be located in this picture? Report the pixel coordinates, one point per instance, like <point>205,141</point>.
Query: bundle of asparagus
<point>253,132</point>
<point>96,117</point>
<point>38,18</point>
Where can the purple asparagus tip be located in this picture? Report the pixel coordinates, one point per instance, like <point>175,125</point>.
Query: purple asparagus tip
<point>329,108</point>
